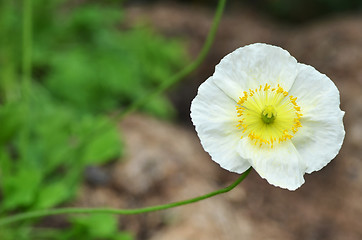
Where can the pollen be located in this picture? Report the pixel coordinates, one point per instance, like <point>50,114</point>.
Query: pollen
<point>268,115</point>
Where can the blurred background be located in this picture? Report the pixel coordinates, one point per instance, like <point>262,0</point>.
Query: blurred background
<point>60,145</point>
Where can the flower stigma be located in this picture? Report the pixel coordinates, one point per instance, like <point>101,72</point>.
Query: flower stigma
<point>268,115</point>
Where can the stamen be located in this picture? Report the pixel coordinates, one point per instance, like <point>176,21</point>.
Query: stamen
<point>268,116</point>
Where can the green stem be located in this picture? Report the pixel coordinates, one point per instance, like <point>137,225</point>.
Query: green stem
<point>188,69</point>
<point>27,47</point>
<point>26,74</point>
<point>42,213</point>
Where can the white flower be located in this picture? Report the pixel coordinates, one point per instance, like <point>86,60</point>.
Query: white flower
<point>262,108</point>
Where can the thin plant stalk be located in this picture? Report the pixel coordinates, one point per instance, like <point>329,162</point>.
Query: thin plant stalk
<point>26,72</point>
<point>72,210</point>
<point>27,48</point>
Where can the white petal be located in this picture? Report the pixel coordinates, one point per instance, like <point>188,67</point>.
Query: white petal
<point>320,138</point>
<point>214,116</point>
<point>254,65</point>
<point>280,166</point>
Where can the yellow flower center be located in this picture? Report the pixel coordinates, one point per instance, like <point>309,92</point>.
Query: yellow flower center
<point>268,115</point>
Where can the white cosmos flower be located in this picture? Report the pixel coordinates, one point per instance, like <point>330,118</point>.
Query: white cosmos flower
<point>262,108</point>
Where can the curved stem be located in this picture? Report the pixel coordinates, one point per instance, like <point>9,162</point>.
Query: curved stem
<point>48,212</point>
<point>188,69</point>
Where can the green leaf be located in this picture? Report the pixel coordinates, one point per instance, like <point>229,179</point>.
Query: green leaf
<point>20,187</point>
<point>97,225</point>
<point>52,194</point>
<point>161,108</point>
<point>123,236</point>
<point>102,146</point>
<point>11,118</point>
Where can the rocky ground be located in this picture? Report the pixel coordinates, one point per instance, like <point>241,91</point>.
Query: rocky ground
<point>164,161</point>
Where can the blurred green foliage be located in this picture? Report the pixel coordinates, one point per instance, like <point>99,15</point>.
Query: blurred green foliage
<point>98,68</point>
<point>86,64</point>
<point>95,226</point>
<point>45,170</point>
